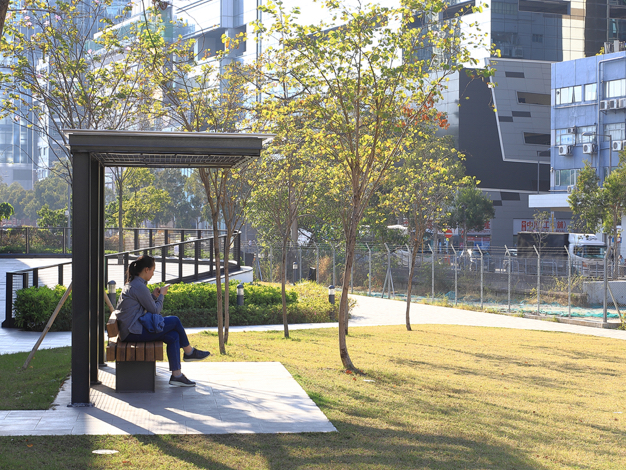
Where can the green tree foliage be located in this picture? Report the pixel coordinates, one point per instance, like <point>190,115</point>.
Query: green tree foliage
<point>141,198</point>
<point>421,191</point>
<point>47,217</point>
<point>61,75</point>
<point>471,210</point>
<point>51,191</point>
<point>6,211</point>
<point>183,209</point>
<point>366,92</point>
<point>600,207</point>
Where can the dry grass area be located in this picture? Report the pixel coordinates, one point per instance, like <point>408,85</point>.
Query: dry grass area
<point>439,397</point>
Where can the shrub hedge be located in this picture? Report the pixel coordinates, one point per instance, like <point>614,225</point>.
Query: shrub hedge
<point>194,304</point>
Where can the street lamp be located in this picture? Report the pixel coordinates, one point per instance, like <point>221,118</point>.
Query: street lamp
<point>590,134</point>
<point>295,268</point>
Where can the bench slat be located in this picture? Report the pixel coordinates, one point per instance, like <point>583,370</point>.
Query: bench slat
<point>111,351</point>
<point>121,351</point>
<point>130,352</point>
<point>150,351</point>
<point>158,350</point>
<point>140,352</point>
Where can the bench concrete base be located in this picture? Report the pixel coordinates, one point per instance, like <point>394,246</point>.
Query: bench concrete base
<point>135,377</point>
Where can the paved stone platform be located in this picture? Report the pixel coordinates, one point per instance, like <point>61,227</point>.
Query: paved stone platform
<point>229,398</point>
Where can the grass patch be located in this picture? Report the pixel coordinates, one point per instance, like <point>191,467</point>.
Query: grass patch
<point>36,387</point>
<point>439,397</point>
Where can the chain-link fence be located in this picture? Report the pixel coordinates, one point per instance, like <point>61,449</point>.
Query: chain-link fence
<point>547,282</point>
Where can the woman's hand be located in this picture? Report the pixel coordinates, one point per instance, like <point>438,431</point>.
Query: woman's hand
<point>160,290</point>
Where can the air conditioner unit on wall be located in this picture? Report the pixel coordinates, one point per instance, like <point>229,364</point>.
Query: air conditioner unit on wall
<point>571,130</point>
<point>604,105</point>
<point>613,104</point>
<point>589,148</point>
<point>565,149</point>
<point>622,103</point>
<point>570,188</point>
<point>618,145</point>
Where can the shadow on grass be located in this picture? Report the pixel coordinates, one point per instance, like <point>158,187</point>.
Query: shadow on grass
<point>352,447</point>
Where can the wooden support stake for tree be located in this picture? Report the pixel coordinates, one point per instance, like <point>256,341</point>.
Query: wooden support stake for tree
<point>48,326</point>
<point>108,302</point>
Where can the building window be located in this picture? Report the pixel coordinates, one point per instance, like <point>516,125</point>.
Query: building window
<point>591,92</point>
<point>568,95</point>
<point>502,8</point>
<point>615,130</point>
<point>563,137</point>
<point>615,88</point>
<point>536,138</point>
<point>533,98</point>
<point>565,177</point>
<point>584,139</point>
<point>538,38</point>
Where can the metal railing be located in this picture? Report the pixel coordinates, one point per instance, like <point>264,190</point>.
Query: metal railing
<point>183,261</point>
<point>57,240</point>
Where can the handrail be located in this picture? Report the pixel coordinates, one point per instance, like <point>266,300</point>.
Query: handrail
<point>125,257</point>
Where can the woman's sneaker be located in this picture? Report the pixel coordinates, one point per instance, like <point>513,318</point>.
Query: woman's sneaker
<point>196,355</point>
<point>181,381</point>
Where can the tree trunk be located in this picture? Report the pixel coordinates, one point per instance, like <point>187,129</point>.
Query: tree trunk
<point>283,282</point>
<point>226,288</point>
<point>409,287</point>
<point>218,283</point>
<point>343,304</point>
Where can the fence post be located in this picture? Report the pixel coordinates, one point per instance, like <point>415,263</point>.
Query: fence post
<point>606,262</point>
<point>299,263</point>
<point>27,239</point>
<point>456,270</point>
<point>271,255</point>
<point>482,270</point>
<point>9,321</point>
<point>136,238</point>
<point>508,256</point>
<point>432,273</point>
<point>569,282</point>
<point>317,262</point>
<point>369,262</point>
<point>538,277</point>
<point>334,280</point>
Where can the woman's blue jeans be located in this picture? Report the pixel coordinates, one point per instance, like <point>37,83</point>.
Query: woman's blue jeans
<point>173,335</point>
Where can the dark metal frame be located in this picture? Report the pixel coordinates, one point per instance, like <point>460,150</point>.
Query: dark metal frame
<point>92,151</point>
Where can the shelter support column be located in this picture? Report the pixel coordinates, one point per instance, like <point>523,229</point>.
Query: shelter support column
<point>81,285</point>
<point>96,283</point>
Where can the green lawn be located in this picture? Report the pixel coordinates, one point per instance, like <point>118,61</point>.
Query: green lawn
<point>439,397</point>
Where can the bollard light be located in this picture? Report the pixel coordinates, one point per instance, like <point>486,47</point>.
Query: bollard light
<point>331,294</point>
<point>112,293</point>
<point>295,268</point>
<point>240,294</point>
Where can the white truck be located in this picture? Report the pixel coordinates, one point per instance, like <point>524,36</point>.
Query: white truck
<point>586,249</point>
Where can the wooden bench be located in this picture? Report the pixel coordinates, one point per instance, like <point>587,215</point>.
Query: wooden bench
<point>135,362</point>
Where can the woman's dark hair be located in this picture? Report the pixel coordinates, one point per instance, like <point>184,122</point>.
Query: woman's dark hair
<point>135,268</point>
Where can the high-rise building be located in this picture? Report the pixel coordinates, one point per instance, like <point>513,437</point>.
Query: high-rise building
<point>503,126</point>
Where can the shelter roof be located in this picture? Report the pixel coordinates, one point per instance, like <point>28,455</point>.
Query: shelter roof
<point>166,149</point>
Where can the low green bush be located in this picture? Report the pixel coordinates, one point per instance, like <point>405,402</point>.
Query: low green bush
<point>34,306</point>
<point>194,304</point>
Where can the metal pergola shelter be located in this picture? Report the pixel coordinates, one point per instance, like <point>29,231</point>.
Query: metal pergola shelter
<point>92,151</point>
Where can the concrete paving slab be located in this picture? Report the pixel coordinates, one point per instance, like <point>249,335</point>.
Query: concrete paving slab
<point>174,410</point>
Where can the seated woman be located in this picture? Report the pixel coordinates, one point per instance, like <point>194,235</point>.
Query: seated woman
<point>135,301</point>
